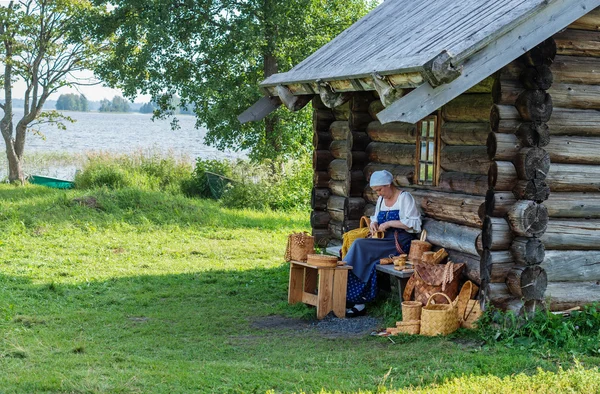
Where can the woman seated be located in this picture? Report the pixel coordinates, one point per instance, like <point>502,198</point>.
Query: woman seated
<point>396,214</point>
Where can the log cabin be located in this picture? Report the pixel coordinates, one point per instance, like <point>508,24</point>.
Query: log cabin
<point>488,112</point>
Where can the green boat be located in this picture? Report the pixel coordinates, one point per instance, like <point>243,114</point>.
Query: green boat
<point>51,182</point>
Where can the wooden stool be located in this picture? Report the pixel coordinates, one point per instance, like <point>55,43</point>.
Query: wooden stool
<point>329,284</point>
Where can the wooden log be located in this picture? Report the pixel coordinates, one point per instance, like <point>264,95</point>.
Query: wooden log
<point>389,153</point>
<point>529,282</point>
<point>564,234</point>
<point>339,130</point>
<point>375,107</point>
<point>498,203</point>
<point>465,133</point>
<point>321,179</point>
<point>337,216</point>
<point>358,121</point>
<point>338,170</point>
<point>543,53</point>
<point>469,159</point>
<point>319,219</point>
<point>322,237</point>
<point>322,119</point>
<point>574,69</point>
<point>499,271</point>
<point>498,295</point>
<point>340,188</point>
<point>461,182</point>
<point>506,91</point>
<point>369,195</point>
<point>342,112</point>
<point>574,150</point>
<point>403,175</point>
<point>471,264</point>
<point>396,132</point>
<point>574,205</point>
<point>532,163</point>
<point>502,176</point>
<point>350,225</point>
<point>357,183</point>
<point>502,146</point>
<point>570,95</point>
<point>528,219</point>
<point>578,43</point>
<point>339,149</point>
<point>567,121</point>
<point>357,160</point>
<point>360,140</point>
<point>354,208</point>
<point>468,108</point>
<point>484,86</point>
<point>336,229</point>
<point>360,101</point>
<point>496,234</point>
<point>566,295</point>
<point>534,106</point>
<point>536,190</point>
<point>450,207</point>
<point>321,140</point>
<point>452,236</point>
<point>527,251</point>
<point>572,265</point>
<point>369,210</point>
<point>533,134</point>
<point>505,119</point>
<point>590,21</point>
<point>336,203</point>
<point>537,77</point>
<point>319,198</point>
<point>321,160</point>
<point>574,178</point>
<point>317,103</point>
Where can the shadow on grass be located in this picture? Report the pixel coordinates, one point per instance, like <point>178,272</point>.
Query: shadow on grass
<point>33,204</point>
<point>199,332</point>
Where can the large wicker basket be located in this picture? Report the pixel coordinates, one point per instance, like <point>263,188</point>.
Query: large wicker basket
<point>322,260</point>
<point>438,319</point>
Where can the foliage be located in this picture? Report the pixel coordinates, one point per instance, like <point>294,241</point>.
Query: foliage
<point>41,43</point>
<point>266,185</point>
<point>579,332</point>
<point>214,55</point>
<point>72,102</point>
<point>118,104</point>
<point>148,172</point>
<point>147,108</point>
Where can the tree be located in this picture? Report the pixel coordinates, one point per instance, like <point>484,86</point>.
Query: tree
<point>118,104</point>
<point>147,108</point>
<point>42,43</point>
<point>213,54</point>
<point>72,102</point>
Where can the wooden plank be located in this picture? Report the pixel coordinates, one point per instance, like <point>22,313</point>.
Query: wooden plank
<point>340,284</point>
<point>310,299</point>
<point>325,299</point>
<point>310,280</point>
<point>260,110</point>
<point>295,283</point>
<point>554,16</point>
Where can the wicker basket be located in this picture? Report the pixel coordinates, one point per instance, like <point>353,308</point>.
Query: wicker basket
<point>467,292</point>
<point>411,310</point>
<point>322,260</point>
<point>418,247</point>
<point>411,327</point>
<point>438,319</point>
<point>299,245</point>
<point>472,314</point>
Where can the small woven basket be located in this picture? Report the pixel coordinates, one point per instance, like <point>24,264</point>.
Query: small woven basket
<point>322,260</point>
<point>438,319</point>
<point>468,291</point>
<point>411,310</point>
<point>299,245</point>
<point>418,247</point>
<point>411,327</point>
<point>472,314</point>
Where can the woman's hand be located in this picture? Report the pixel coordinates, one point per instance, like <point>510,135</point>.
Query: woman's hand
<point>373,227</point>
<point>384,226</point>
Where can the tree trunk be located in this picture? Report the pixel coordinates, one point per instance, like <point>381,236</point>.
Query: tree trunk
<point>269,68</point>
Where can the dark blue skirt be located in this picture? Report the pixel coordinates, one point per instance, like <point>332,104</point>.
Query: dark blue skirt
<point>363,256</point>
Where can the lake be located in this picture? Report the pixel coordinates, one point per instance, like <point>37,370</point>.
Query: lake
<point>49,153</point>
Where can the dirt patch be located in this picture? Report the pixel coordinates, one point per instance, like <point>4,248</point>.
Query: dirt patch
<point>329,327</point>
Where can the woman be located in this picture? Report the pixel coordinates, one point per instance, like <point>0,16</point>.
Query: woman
<point>396,214</point>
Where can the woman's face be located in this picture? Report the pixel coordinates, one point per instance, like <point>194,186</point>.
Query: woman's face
<point>384,191</point>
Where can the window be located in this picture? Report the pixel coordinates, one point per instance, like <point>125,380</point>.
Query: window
<point>428,151</point>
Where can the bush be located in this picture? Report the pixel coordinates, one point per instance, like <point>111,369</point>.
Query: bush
<point>199,184</point>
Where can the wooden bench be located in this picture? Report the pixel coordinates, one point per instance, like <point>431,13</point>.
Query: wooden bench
<point>400,276</point>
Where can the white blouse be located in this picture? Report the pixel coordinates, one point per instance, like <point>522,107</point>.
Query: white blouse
<point>409,212</point>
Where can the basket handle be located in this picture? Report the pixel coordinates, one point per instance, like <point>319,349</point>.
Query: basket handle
<point>423,235</point>
<point>365,221</point>
<point>434,294</point>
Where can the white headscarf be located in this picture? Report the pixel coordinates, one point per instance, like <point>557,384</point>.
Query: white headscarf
<point>381,178</point>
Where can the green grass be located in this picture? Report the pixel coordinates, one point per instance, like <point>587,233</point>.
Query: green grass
<point>154,292</point>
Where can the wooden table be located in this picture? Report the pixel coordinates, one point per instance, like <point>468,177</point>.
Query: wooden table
<point>401,276</point>
<point>323,287</point>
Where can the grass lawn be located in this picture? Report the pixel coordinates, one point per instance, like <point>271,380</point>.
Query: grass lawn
<point>151,292</point>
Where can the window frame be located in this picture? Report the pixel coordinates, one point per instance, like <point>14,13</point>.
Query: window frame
<point>437,142</point>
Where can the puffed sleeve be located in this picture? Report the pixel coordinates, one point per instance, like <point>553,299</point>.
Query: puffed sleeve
<point>377,206</point>
<point>410,215</point>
